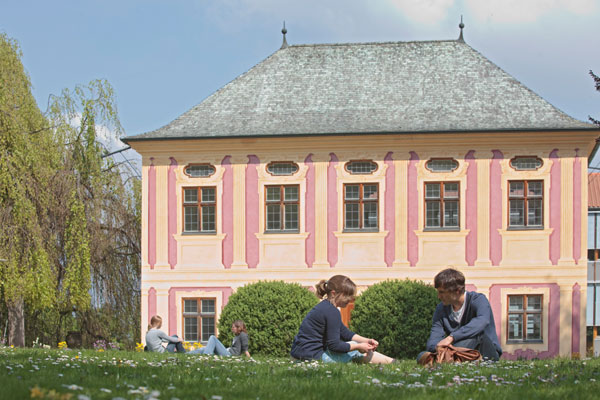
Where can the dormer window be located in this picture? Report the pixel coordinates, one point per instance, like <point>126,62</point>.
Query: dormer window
<point>361,167</point>
<point>441,165</point>
<point>526,163</point>
<point>282,168</point>
<point>199,170</point>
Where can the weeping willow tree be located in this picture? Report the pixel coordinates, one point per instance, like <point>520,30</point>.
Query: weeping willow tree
<point>69,217</point>
<point>28,159</point>
<point>596,79</point>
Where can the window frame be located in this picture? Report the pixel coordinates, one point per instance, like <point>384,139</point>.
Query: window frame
<point>199,317</point>
<point>515,158</point>
<point>361,201</point>
<point>348,171</point>
<point>282,203</point>
<point>433,171</point>
<point>282,162</point>
<point>214,170</point>
<point>442,201</point>
<point>525,312</point>
<point>199,204</point>
<point>525,198</point>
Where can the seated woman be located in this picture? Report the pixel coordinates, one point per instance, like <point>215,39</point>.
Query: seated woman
<point>238,347</point>
<point>323,336</point>
<point>155,338</point>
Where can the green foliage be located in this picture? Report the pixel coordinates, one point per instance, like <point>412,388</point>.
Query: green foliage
<point>396,313</point>
<point>272,312</point>
<point>596,79</point>
<point>76,282</point>
<point>58,195</point>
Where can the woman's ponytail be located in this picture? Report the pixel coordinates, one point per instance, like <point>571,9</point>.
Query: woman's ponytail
<point>322,288</point>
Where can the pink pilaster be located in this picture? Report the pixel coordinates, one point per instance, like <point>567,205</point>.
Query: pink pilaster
<point>575,319</point>
<point>555,207</point>
<point>152,214</point>
<point>332,211</point>
<point>172,212</point>
<point>252,212</point>
<point>173,315</point>
<point>227,214</point>
<point>413,210</point>
<point>471,209</point>
<point>390,209</point>
<point>309,212</point>
<point>577,207</point>
<point>496,208</point>
<point>151,303</point>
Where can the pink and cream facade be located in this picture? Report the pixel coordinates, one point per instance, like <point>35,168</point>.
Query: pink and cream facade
<point>279,181</point>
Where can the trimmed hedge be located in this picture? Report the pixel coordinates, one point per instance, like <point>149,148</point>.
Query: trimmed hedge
<point>396,313</point>
<point>272,312</point>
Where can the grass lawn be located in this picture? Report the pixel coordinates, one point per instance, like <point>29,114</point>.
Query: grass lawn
<point>72,374</point>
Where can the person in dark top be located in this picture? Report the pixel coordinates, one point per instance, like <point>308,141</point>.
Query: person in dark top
<point>323,336</point>
<point>238,347</point>
<point>461,319</point>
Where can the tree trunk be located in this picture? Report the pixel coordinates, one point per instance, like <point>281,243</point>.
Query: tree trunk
<point>16,323</point>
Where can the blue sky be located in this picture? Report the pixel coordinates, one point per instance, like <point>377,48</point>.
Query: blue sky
<point>163,57</point>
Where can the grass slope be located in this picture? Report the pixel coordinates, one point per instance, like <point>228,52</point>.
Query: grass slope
<point>70,374</point>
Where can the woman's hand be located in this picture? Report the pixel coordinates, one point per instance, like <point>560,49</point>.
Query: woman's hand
<point>363,347</point>
<point>373,343</point>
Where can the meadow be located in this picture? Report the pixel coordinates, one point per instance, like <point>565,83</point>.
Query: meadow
<point>87,374</point>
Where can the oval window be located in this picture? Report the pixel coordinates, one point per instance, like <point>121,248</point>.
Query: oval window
<point>525,163</point>
<point>199,170</point>
<point>282,168</point>
<point>442,165</point>
<point>361,167</point>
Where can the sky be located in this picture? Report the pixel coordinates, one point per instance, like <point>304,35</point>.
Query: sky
<point>164,57</point>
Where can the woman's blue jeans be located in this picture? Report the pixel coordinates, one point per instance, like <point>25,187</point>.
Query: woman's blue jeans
<point>214,346</point>
<point>172,346</point>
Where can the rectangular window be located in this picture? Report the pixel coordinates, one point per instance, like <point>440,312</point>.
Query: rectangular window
<point>525,204</point>
<point>525,318</point>
<point>361,205</point>
<point>442,204</point>
<point>282,206</point>
<point>198,319</point>
<point>199,209</point>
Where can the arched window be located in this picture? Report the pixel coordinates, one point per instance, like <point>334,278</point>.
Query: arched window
<point>280,168</point>
<point>441,165</point>
<point>526,163</point>
<point>199,170</point>
<point>361,167</point>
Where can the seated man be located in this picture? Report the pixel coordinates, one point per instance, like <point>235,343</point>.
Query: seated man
<point>462,319</point>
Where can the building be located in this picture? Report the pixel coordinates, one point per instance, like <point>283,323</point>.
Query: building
<point>593,285</point>
<point>377,161</point>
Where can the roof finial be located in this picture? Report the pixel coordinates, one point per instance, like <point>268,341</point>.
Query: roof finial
<point>284,31</point>
<point>461,26</point>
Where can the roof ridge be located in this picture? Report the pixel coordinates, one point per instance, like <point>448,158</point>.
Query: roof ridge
<point>372,43</point>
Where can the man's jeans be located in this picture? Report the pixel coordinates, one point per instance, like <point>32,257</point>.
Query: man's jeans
<point>481,343</point>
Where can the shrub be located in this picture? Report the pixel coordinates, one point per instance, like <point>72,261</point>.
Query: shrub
<point>272,312</point>
<point>396,313</point>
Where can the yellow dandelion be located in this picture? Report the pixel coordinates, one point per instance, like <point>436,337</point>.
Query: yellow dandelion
<point>36,393</point>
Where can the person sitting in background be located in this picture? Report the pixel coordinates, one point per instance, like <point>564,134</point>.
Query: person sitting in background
<point>461,319</point>
<point>155,338</point>
<point>239,345</point>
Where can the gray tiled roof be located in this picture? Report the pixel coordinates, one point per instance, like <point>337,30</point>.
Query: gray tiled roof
<point>430,86</point>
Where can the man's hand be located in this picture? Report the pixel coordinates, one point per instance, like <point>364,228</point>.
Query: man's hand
<point>446,341</point>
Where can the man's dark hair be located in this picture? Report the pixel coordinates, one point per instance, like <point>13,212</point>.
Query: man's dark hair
<point>450,279</point>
